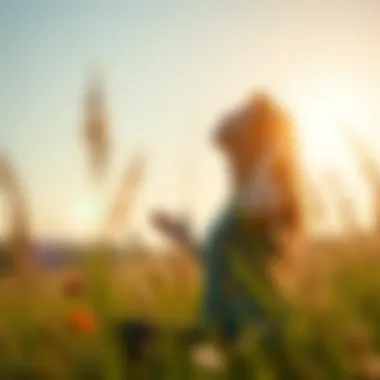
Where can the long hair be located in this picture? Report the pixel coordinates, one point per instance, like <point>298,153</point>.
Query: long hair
<point>260,126</point>
<point>276,131</point>
<point>263,125</point>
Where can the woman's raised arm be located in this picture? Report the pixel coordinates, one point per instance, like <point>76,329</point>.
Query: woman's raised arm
<point>177,230</point>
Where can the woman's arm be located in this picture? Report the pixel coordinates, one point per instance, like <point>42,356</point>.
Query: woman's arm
<point>176,230</point>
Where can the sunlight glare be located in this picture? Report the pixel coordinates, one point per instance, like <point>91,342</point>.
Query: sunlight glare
<point>86,216</point>
<point>321,119</point>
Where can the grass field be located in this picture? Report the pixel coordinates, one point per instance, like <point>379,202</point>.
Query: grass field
<point>62,324</point>
<point>58,333</point>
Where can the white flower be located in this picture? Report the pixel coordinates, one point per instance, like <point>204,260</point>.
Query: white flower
<point>209,357</point>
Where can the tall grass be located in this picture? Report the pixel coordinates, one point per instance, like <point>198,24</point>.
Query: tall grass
<point>329,328</point>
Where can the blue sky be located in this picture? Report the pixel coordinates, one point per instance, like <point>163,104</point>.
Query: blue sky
<point>170,68</point>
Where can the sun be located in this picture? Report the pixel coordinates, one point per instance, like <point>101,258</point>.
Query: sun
<point>85,216</point>
<point>88,209</point>
<point>321,118</point>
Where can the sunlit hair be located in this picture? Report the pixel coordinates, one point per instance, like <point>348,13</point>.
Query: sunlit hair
<point>259,126</point>
<point>277,130</point>
<point>272,123</point>
<point>260,118</point>
<point>262,122</point>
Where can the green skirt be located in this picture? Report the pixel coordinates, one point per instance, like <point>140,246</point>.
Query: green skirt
<point>235,258</point>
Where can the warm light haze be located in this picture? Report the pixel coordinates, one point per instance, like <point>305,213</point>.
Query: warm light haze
<point>170,69</point>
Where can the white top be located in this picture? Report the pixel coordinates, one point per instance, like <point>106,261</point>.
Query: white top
<point>262,193</point>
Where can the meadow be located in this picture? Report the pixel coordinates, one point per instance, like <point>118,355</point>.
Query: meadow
<point>62,323</point>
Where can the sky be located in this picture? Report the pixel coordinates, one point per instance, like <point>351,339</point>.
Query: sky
<point>171,68</point>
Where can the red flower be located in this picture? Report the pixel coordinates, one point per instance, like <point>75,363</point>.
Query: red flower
<point>73,286</point>
<point>82,321</point>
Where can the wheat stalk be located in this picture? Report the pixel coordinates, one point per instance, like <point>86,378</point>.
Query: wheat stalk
<point>96,128</point>
<point>121,205</point>
<point>20,230</point>
<point>369,168</point>
<point>345,203</point>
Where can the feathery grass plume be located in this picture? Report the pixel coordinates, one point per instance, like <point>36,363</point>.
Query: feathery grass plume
<point>364,158</point>
<point>345,203</point>
<point>96,128</point>
<point>177,230</point>
<point>100,269</point>
<point>19,232</point>
<point>369,168</point>
<point>315,206</point>
<point>26,301</point>
<point>121,204</point>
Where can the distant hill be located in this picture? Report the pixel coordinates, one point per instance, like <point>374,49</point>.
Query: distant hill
<point>52,254</point>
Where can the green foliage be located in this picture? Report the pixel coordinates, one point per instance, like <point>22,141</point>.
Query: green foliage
<point>302,343</point>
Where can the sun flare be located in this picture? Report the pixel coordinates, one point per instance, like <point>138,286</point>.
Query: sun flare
<point>85,216</point>
<point>322,119</point>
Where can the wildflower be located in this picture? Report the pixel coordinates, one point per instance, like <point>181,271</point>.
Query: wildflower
<point>82,321</point>
<point>74,286</point>
<point>209,357</point>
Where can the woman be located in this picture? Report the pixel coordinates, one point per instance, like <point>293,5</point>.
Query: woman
<point>262,218</point>
<point>260,223</point>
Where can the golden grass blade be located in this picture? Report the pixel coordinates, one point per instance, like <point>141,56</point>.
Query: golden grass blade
<point>123,201</point>
<point>20,230</point>
<point>345,204</point>
<point>366,161</point>
<point>370,169</point>
<point>96,128</point>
